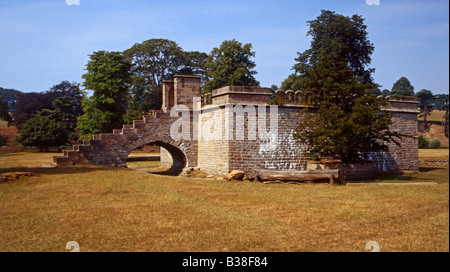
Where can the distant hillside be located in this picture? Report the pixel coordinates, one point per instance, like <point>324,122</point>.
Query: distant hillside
<point>435,116</point>
<point>11,132</point>
<point>8,96</point>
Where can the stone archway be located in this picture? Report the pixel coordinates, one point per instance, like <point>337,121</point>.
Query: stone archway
<point>172,160</point>
<point>114,148</point>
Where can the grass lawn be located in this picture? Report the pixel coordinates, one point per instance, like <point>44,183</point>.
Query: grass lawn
<point>115,209</point>
<point>435,116</point>
<point>434,154</point>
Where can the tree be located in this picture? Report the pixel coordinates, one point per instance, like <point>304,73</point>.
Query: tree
<point>108,75</point>
<point>375,91</point>
<point>42,132</point>
<point>4,113</point>
<point>293,82</point>
<point>402,88</point>
<point>347,121</point>
<point>426,100</point>
<point>193,63</point>
<point>29,104</point>
<point>8,96</point>
<point>338,36</point>
<point>230,65</point>
<point>385,92</point>
<point>66,108</point>
<point>443,101</point>
<point>3,140</point>
<point>153,61</point>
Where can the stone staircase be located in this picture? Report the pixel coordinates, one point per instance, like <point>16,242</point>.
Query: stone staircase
<point>109,148</point>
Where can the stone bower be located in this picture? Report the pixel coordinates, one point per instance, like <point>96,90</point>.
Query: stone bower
<point>279,152</point>
<point>114,148</point>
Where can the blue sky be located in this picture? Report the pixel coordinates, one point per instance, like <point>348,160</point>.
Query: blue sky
<point>43,42</point>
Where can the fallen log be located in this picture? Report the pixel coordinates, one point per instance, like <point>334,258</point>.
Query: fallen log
<point>329,175</point>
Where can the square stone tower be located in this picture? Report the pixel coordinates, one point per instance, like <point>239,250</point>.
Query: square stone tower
<point>180,91</point>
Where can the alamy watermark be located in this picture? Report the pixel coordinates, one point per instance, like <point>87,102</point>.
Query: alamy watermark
<point>373,2</point>
<point>227,123</point>
<point>73,2</point>
<point>373,246</point>
<point>73,246</point>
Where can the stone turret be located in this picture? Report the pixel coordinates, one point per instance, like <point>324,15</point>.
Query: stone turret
<point>180,91</point>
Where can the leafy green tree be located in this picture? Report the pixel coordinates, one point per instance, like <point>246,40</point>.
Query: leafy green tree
<point>402,88</point>
<point>293,82</point>
<point>153,61</point>
<point>193,63</point>
<point>347,121</point>
<point>423,142</point>
<point>42,132</point>
<point>426,100</point>
<point>108,75</point>
<point>375,91</point>
<point>338,36</point>
<point>29,104</point>
<point>67,108</point>
<point>385,92</point>
<point>434,144</point>
<point>141,101</point>
<point>230,65</point>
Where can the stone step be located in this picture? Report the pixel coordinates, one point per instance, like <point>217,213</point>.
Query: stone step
<point>138,124</point>
<point>62,161</point>
<point>72,154</point>
<point>147,118</point>
<point>129,131</point>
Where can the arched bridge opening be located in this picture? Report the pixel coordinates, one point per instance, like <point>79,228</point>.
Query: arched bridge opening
<point>157,157</point>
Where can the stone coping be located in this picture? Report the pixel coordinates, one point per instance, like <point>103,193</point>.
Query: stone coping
<point>241,90</point>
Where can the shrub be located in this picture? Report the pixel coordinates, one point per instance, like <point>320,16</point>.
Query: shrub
<point>435,144</point>
<point>423,142</point>
<point>3,140</point>
<point>42,132</point>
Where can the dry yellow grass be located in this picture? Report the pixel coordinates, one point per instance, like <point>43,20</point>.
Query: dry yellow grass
<point>434,154</point>
<point>435,116</point>
<point>113,209</point>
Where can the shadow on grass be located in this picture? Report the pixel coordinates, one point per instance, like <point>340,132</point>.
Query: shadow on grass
<point>158,170</point>
<point>61,170</point>
<point>398,177</point>
<point>428,169</point>
<point>391,177</point>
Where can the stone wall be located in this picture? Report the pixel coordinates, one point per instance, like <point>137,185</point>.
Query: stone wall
<point>252,154</point>
<point>404,157</point>
<point>280,152</point>
<point>213,149</point>
<point>222,141</point>
<point>114,148</point>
